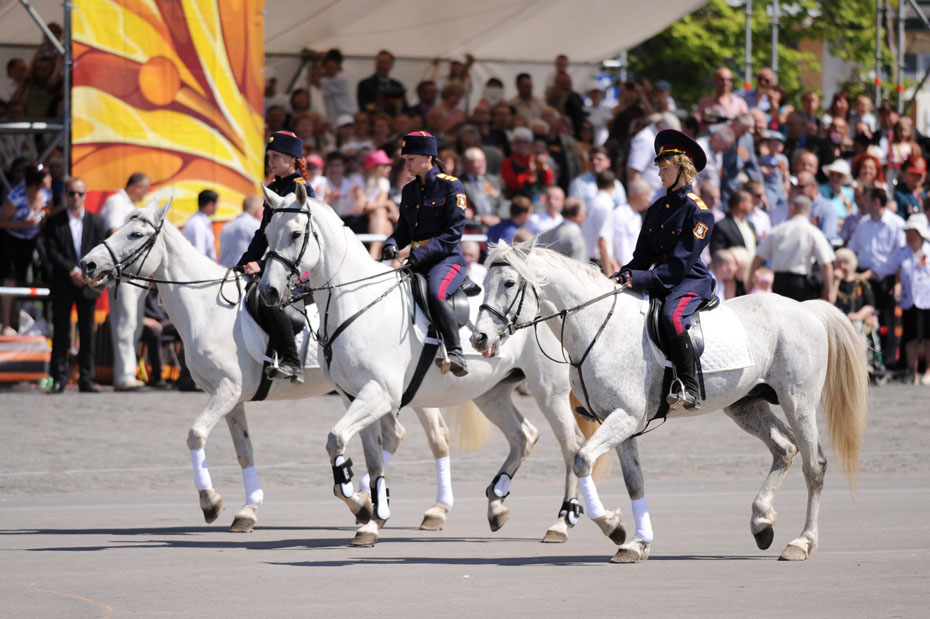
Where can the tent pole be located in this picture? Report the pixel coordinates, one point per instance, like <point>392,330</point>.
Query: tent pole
<point>900,56</point>
<point>776,23</point>
<point>747,73</point>
<point>53,40</point>
<point>879,13</point>
<point>68,66</point>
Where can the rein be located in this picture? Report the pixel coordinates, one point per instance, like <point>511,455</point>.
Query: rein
<point>120,274</point>
<point>511,325</point>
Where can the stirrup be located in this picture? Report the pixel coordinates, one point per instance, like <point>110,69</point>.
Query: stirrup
<point>682,397</point>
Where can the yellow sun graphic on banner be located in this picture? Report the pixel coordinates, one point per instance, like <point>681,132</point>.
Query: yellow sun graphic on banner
<point>172,88</point>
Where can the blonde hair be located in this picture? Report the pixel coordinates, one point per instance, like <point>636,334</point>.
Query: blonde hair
<point>688,171</point>
<point>849,256</point>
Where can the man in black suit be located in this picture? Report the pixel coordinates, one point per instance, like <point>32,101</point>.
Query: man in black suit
<point>69,234</point>
<point>735,230</point>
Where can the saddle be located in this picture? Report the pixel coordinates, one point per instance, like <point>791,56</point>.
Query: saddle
<point>458,301</point>
<point>695,331</point>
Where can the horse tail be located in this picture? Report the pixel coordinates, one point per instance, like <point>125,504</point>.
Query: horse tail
<point>603,465</point>
<point>470,428</point>
<point>846,388</point>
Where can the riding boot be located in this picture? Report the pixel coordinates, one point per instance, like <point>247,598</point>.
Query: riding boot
<point>685,390</point>
<point>281,333</point>
<point>444,318</point>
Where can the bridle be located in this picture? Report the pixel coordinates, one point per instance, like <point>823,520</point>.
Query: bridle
<point>293,266</point>
<point>143,251</point>
<point>510,324</point>
<point>509,320</point>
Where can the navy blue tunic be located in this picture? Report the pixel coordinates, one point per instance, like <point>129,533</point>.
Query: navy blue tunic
<point>675,231</point>
<point>432,219</point>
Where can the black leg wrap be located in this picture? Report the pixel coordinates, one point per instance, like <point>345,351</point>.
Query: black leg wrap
<point>490,490</point>
<point>374,499</point>
<point>342,473</point>
<point>571,511</point>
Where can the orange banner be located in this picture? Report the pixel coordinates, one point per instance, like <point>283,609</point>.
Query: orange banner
<point>173,88</point>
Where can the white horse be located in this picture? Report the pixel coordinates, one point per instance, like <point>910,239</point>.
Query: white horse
<point>214,330</point>
<point>801,353</point>
<point>373,336</point>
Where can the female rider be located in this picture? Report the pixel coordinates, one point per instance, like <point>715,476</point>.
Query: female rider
<point>286,161</point>
<point>667,259</point>
<point>432,220</point>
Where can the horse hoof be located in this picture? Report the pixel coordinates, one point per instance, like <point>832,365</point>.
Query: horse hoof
<point>634,552</point>
<point>211,503</point>
<point>434,518</point>
<point>499,517</point>
<point>764,537</point>
<point>366,536</point>
<point>556,534</point>
<point>245,519</point>
<point>793,552</point>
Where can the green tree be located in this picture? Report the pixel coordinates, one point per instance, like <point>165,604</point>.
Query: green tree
<point>687,52</point>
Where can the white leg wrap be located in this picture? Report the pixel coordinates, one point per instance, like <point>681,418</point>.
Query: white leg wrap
<point>253,489</point>
<point>643,524</point>
<point>502,487</point>
<point>347,488</point>
<point>364,484</point>
<point>384,510</point>
<point>592,501</point>
<point>444,481</point>
<point>201,474</point>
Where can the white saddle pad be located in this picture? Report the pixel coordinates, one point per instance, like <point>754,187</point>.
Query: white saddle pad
<point>256,340</point>
<point>726,346</point>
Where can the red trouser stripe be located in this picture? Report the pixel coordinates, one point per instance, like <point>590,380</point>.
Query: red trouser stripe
<point>676,317</point>
<point>447,280</point>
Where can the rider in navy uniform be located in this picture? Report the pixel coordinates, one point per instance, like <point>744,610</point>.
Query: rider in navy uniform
<point>286,161</point>
<point>432,220</point>
<point>667,259</point>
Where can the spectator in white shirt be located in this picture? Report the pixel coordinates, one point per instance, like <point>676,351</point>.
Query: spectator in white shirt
<point>553,200</point>
<point>628,220</point>
<point>598,226</point>
<point>237,234</point>
<point>199,229</point>
<point>640,163</point>
<point>126,308</point>
<point>328,77</point>
<point>472,252</point>
<point>585,186</point>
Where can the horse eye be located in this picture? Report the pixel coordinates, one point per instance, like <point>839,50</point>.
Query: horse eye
<point>295,235</point>
<point>136,235</point>
<point>510,283</point>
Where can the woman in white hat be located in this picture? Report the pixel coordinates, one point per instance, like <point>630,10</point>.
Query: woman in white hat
<point>912,264</point>
<point>839,189</point>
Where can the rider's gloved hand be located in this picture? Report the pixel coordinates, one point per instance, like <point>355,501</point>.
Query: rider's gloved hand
<point>411,260</point>
<point>623,277</point>
<point>389,252</point>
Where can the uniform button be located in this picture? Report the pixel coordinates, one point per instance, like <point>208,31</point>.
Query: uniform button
<point>666,206</point>
<point>662,226</point>
<point>416,224</point>
<point>650,229</point>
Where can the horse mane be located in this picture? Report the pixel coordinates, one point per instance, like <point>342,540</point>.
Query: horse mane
<point>169,228</point>
<point>518,256</point>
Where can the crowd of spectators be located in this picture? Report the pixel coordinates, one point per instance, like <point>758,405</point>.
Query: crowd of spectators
<point>788,182</point>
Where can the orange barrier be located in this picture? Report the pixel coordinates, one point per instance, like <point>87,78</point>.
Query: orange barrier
<point>24,358</point>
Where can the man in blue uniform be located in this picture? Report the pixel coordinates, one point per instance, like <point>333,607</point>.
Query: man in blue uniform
<point>432,220</point>
<point>286,161</point>
<point>667,259</point>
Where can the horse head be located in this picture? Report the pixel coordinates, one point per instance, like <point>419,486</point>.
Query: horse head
<point>291,250</point>
<point>133,250</point>
<point>509,297</point>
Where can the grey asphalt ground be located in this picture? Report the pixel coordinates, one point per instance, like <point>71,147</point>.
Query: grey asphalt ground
<point>99,518</point>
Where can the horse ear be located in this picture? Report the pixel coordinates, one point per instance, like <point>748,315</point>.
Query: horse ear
<point>271,198</point>
<point>162,211</point>
<point>301,194</point>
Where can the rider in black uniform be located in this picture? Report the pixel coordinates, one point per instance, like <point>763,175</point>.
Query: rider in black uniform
<point>286,160</point>
<point>432,220</point>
